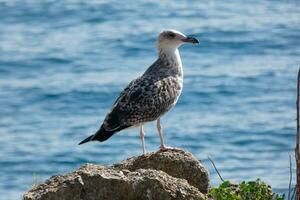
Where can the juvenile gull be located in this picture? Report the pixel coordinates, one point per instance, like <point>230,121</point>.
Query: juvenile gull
<point>151,95</point>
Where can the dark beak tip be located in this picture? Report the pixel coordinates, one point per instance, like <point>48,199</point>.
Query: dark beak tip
<point>191,40</point>
<point>196,41</point>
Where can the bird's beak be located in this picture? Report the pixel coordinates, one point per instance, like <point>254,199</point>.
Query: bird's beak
<point>190,40</point>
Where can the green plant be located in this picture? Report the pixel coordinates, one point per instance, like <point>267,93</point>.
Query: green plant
<point>252,190</point>
<point>36,180</point>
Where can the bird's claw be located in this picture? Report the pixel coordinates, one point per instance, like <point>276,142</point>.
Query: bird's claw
<point>166,148</point>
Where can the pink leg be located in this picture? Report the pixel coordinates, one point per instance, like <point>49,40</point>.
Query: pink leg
<point>142,135</point>
<point>159,128</point>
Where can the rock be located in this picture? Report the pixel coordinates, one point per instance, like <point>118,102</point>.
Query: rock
<point>166,175</point>
<point>175,162</point>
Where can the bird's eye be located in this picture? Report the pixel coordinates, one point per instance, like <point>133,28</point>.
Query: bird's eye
<point>171,35</point>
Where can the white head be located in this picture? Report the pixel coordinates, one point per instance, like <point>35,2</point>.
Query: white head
<point>170,40</point>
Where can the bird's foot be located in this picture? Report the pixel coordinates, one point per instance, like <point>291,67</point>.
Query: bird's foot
<point>166,148</point>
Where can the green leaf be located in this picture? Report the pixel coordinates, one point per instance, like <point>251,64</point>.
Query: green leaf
<point>252,190</point>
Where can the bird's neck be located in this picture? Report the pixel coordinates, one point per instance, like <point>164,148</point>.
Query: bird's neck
<point>170,57</point>
<point>168,64</point>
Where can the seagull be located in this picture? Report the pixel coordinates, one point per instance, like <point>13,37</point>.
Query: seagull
<point>148,97</point>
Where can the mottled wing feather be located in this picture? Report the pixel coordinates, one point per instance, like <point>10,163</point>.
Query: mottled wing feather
<point>125,91</point>
<point>112,119</point>
<point>143,100</point>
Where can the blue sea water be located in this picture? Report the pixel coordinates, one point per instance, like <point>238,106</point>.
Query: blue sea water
<point>63,63</point>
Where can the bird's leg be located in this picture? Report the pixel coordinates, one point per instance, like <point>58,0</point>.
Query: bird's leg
<point>142,135</point>
<point>159,128</point>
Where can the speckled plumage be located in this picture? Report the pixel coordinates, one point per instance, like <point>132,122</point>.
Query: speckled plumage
<point>151,95</point>
<point>147,97</point>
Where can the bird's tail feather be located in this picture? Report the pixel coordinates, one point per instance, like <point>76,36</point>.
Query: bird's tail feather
<point>88,139</point>
<point>101,135</point>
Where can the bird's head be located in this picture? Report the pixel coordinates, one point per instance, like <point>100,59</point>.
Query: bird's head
<point>169,40</point>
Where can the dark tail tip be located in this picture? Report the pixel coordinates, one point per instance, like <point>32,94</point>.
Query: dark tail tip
<point>101,135</point>
<point>88,139</point>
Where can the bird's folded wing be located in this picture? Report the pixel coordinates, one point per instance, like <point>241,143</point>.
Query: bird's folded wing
<point>144,99</point>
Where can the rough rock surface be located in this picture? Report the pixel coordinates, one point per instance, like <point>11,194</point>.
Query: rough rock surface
<point>165,175</point>
<point>175,162</point>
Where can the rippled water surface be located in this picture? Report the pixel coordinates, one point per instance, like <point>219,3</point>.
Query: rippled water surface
<point>63,63</point>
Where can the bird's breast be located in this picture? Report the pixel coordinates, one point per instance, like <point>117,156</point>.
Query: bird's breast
<point>179,88</point>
